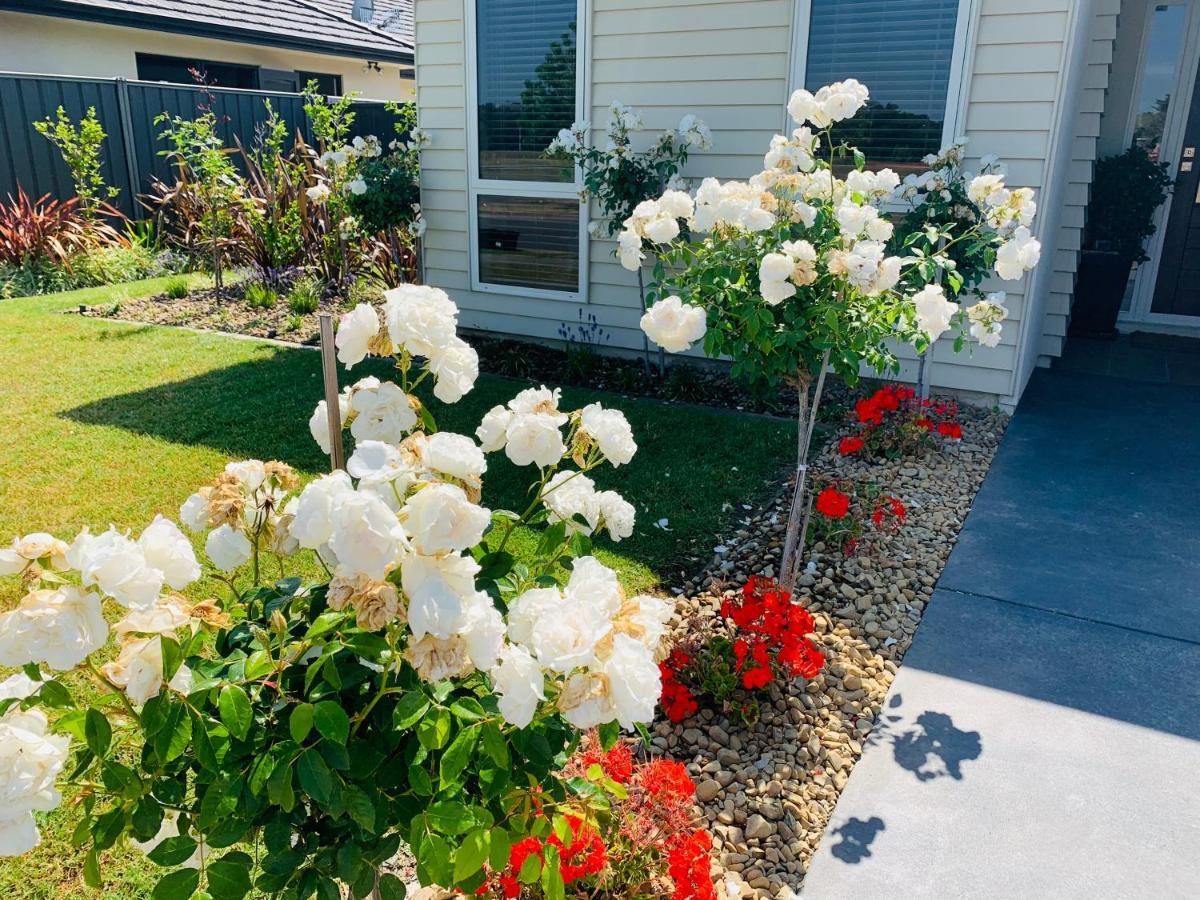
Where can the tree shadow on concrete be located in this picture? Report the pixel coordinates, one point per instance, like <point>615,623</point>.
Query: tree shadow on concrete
<point>931,747</point>
<point>856,837</point>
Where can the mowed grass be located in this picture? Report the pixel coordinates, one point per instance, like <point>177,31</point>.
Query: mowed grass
<point>106,422</point>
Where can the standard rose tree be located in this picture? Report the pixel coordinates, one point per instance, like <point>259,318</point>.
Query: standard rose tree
<point>800,269</point>
<point>291,736</point>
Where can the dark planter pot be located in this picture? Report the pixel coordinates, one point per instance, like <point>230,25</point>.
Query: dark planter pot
<point>1099,289</point>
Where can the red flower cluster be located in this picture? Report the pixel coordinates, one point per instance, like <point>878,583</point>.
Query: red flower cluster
<point>890,513</point>
<point>773,633</point>
<point>833,503</point>
<point>585,855</point>
<point>687,864</point>
<point>893,421</point>
<point>677,701</point>
<point>617,763</point>
<point>667,781</point>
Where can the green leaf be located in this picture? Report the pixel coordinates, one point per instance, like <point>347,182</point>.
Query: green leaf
<point>91,869</point>
<point>468,709</point>
<point>495,745</point>
<point>97,731</point>
<point>409,710</point>
<point>315,777</point>
<point>236,712</point>
<point>228,879</point>
<point>172,657</point>
<point>176,731</point>
<point>178,885</point>
<point>450,817</point>
<point>456,757</point>
<point>552,880</point>
<point>531,869</point>
<point>434,730</point>
<point>359,806</point>
<point>499,847</point>
<point>609,733</point>
<point>331,721</point>
<point>173,851</point>
<point>392,888</point>
<point>258,664</point>
<point>300,722</point>
<point>471,854</point>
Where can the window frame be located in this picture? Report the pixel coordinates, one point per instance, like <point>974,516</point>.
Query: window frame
<point>956,99</point>
<point>559,190</point>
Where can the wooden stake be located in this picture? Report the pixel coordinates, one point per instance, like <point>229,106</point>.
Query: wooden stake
<point>337,455</point>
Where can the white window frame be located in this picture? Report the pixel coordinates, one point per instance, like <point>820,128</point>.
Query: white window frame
<point>558,190</point>
<point>955,101</point>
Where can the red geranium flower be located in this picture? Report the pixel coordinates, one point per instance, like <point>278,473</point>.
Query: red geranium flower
<point>950,430</point>
<point>833,503</point>
<point>868,411</point>
<point>687,864</point>
<point>890,510</point>
<point>924,423</point>
<point>850,445</point>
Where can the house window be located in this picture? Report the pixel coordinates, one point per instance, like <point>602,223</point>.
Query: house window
<point>525,83</point>
<point>907,52</point>
<point>329,85</point>
<point>175,69</point>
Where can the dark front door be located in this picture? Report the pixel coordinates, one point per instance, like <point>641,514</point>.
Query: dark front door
<point>1177,289</point>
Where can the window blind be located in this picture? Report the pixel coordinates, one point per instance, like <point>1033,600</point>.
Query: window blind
<point>529,242</point>
<point>526,86</point>
<point>902,51</point>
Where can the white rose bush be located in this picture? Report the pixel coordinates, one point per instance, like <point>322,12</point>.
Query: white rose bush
<point>289,737</point>
<point>800,269</point>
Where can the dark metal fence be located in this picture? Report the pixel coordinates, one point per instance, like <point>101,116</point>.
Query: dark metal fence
<point>127,110</point>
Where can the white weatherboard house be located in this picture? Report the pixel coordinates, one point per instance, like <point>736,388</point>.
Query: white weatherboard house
<point>1048,85</point>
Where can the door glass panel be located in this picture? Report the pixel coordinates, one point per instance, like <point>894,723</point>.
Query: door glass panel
<point>526,86</point>
<point>1160,70</point>
<point>529,242</point>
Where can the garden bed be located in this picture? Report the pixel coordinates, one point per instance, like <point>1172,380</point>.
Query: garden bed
<point>767,790</point>
<point>576,362</point>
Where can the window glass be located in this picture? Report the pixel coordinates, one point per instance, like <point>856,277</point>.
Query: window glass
<point>526,86</point>
<point>902,51</point>
<point>175,69</point>
<point>329,85</point>
<point>529,242</point>
<point>1160,65</point>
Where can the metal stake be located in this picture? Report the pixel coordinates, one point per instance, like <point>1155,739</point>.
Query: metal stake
<point>337,455</point>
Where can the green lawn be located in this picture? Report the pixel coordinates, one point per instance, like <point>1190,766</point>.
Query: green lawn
<point>110,423</point>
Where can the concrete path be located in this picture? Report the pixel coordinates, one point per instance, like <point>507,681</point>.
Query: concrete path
<point>1042,739</point>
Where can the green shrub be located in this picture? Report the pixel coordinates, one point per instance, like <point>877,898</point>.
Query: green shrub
<point>258,296</point>
<point>89,268</point>
<point>176,287</point>
<point>305,296</point>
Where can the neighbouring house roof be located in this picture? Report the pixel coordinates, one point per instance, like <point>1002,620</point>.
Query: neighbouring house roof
<point>318,26</point>
<point>393,16</point>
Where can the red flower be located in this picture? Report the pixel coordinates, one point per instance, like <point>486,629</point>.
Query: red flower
<point>677,701</point>
<point>667,781</point>
<point>833,503</point>
<point>758,677</point>
<point>950,430</point>
<point>868,411</point>
<point>617,763</point>
<point>585,855</point>
<point>687,864</point>
<point>890,510</point>
<point>519,852</point>
<point>850,445</point>
<point>924,423</point>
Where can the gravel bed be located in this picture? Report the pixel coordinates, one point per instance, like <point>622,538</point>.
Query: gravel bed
<point>768,790</point>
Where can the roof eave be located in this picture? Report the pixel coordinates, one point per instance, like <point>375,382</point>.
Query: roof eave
<point>203,29</point>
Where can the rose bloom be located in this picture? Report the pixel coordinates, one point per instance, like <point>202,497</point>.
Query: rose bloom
<point>59,627</point>
<point>312,522</point>
<point>455,455</point>
<point>440,518</point>
<point>167,550</point>
<point>382,413</point>
<point>117,566</point>
<point>355,331</point>
<point>610,429</point>
<point>535,438</point>
<point>519,681</point>
<point>227,547</point>
<point>437,587</point>
<point>455,366</point>
<point>673,325</point>
<point>493,430</point>
<point>139,670</point>
<point>833,503</point>
<point>30,762</point>
<point>318,427</point>
<point>617,515</point>
<point>25,550</point>
<point>366,537</point>
<point>420,318</point>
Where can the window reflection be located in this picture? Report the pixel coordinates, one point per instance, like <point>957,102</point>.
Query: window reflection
<point>1160,66</point>
<point>529,242</point>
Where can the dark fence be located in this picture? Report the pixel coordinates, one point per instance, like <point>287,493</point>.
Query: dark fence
<point>127,110</point>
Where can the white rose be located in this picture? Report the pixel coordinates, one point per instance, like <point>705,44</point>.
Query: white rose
<point>634,681</point>
<point>420,317</point>
<point>616,515</point>
<point>455,366</point>
<point>18,687</point>
<point>194,512</point>
<point>493,430</point>
<point>165,617</point>
<point>649,617</point>
<point>538,400</point>
<point>610,430</point>
<point>354,334</point>
<point>357,187</point>
<point>117,566</point>
<point>673,325</point>
<point>662,229</point>
<point>594,584</point>
<point>312,524</point>
<point>1017,255</point>
<point>318,193</point>
<point>138,670</point>
<point>629,249</point>
<point>382,413</point>
<point>934,311</point>
<point>227,548</point>
<point>535,438</point>
<point>775,292</point>
<point>38,545</point>
<point>482,630</point>
<point>440,518</point>
<point>167,550</point>
<point>569,494</point>
<point>455,455</point>
<point>561,632</point>
<point>377,463</point>
<point>250,472</point>
<point>775,267</point>
<point>519,681</point>
<point>30,762</point>
<point>436,587</point>
<point>58,627</point>
<point>676,204</point>
<point>318,427</point>
<point>367,537</point>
